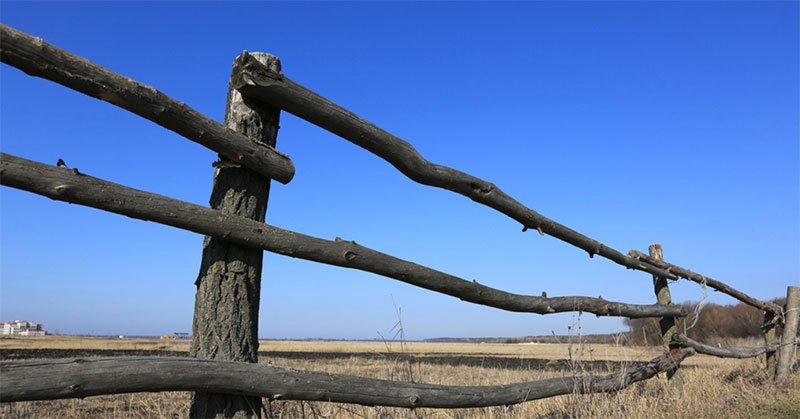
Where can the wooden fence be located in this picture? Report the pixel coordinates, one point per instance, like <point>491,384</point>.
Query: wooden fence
<point>258,92</point>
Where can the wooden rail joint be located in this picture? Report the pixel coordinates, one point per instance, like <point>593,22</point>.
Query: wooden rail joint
<point>255,81</point>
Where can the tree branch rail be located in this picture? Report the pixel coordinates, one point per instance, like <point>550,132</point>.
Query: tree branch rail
<point>713,283</point>
<point>78,378</point>
<point>256,81</point>
<point>68,185</point>
<point>38,58</point>
<point>721,352</point>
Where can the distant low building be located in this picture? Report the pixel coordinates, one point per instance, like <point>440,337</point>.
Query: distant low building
<point>176,335</point>
<point>23,328</point>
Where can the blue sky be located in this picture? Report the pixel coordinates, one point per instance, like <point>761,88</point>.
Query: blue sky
<point>632,123</point>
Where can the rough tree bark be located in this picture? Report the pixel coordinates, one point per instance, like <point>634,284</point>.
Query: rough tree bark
<point>667,324</point>
<point>788,349</point>
<point>225,323</point>
<point>770,329</point>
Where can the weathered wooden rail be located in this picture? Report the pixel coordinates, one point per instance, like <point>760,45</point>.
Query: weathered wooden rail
<point>65,185</point>
<point>78,378</point>
<point>258,82</point>
<point>713,283</point>
<point>721,352</point>
<point>258,92</point>
<point>38,58</point>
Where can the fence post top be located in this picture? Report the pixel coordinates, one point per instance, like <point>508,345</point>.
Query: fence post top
<point>272,62</point>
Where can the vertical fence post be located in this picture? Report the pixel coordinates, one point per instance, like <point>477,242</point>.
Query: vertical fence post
<point>788,349</point>
<point>667,324</point>
<point>225,322</point>
<point>770,339</point>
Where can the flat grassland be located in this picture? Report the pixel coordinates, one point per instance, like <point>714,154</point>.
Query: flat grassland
<point>718,388</point>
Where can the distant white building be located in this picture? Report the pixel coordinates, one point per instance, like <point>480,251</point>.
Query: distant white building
<point>22,328</point>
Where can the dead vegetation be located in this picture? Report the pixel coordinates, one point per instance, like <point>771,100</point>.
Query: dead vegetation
<point>714,387</point>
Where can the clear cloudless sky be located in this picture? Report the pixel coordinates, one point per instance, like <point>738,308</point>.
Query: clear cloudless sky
<point>633,123</point>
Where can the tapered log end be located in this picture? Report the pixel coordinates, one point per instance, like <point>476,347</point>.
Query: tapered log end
<point>257,62</point>
<point>272,62</point>
<point>655,250</point>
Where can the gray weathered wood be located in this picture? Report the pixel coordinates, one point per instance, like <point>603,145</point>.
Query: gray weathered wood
<point>667,324</point>
<point>78,378</point>
<point>788,349</point>
<point>676,271</point>
<point>64,185</point>
<point>721,352</point>
<point>770,330</point>
<point>225,325</point>
<point>38,58</point>
<point>257,82</point>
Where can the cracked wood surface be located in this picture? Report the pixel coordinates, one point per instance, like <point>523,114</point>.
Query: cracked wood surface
<point>38,58</point>
<point>666,324</point>
<point>63,184</point>
<point>789,339</point>
<point>77,378</point>
<point>225,323</point>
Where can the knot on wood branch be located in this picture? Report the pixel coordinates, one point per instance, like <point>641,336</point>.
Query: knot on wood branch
<point>62,190</point>
<point>485,189</point>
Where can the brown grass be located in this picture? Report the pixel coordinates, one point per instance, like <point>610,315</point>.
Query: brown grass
<point>715,388</point>
<point>80,342</point>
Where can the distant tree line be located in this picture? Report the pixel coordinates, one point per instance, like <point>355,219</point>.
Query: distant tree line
<point>715,324</point>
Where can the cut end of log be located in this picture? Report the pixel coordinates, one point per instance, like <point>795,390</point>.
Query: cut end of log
<point>272,62</point>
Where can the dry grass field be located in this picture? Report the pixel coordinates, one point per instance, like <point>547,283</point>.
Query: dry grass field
<point>715,388</point>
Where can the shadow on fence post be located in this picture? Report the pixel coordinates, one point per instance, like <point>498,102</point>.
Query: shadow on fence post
<point>667,324</point>
<point>788,349</point>
<point>225,323</point>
